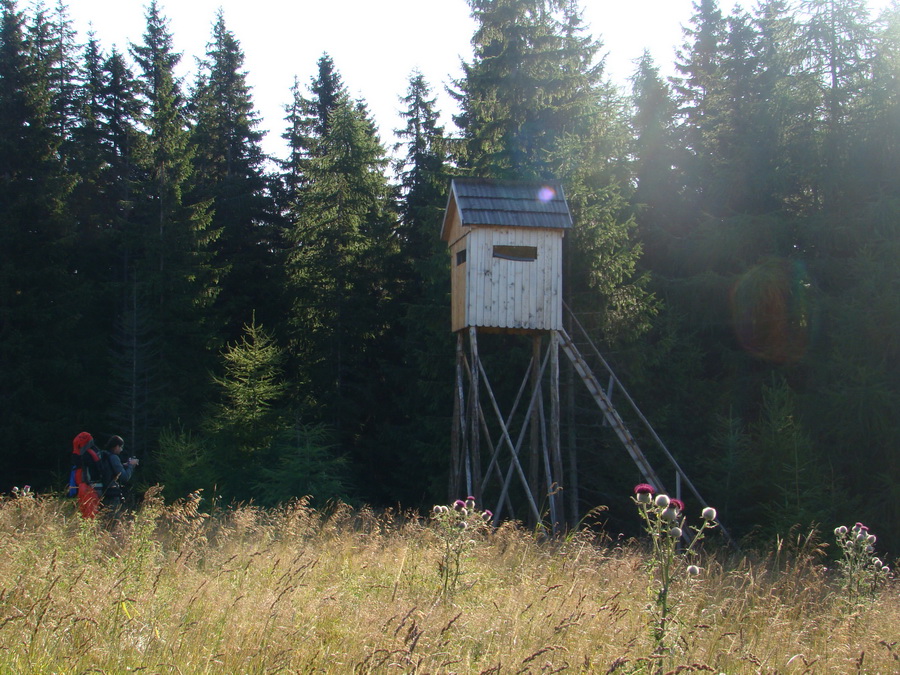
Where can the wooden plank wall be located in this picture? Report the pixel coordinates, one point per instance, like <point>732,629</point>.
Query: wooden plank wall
<point>515,294</point>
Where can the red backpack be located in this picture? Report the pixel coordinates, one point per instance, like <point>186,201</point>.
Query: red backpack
<point>85,472</point>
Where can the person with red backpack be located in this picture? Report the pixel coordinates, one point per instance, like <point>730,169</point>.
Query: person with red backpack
<point>85,477</point>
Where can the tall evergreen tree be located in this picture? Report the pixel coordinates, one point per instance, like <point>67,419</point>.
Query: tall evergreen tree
<point>39,286</point>
<point>340,265</point>
<point>418,365</point>
<point>170,236</point>
<point>839,37</point>
<point>228,162</point>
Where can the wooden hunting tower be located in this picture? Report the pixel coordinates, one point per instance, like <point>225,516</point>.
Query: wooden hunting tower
<point>506,248</point>
<point>505,243</point>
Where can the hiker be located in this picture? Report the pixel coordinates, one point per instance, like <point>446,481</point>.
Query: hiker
<point>85,476</point>
<point>115,472</point>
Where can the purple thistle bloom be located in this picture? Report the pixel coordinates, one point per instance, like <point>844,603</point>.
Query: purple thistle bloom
<point>644,488</point>
<point>459,505</point>
<point>677,503</point>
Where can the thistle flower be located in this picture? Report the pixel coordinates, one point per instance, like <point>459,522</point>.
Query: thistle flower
<point>459,505</point>
<point>840,531</point>
<point>859,527</point>
<point>669,514</point>
<point>675,532</point>
<point>871,539</point>
<point>470,503</point>
<point>662,501</point>
<point>644,492</point>
<point>677,504</point>
<point>463,525</point>
<point>437,508</point>
<point>487,514</point>
<point>693,570</point>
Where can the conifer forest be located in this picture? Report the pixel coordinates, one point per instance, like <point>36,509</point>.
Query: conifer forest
<point>265,327</point>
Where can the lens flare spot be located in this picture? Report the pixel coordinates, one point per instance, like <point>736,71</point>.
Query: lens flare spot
<point>546,194</point>
<point>770,311</point>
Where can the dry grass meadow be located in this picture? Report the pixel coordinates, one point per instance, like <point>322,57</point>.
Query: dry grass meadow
<point>294,590</point>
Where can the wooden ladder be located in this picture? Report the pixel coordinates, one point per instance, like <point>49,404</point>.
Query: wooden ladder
<point>610,413</point>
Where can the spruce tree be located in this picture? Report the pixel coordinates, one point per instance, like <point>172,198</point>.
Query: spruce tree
<point>39,283</point>
<point>342,262</point>
<point>413,428</point>
<point>170,236</point>
<point>229,173</point>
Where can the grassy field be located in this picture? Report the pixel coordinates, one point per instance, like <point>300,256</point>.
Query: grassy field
<point>171,590</point>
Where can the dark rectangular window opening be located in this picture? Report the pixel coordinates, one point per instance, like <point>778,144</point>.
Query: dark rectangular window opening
<point>461,257</point>
<point>517,253</point>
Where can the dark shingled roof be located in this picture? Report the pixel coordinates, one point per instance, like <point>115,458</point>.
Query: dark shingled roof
<point>499,203</point>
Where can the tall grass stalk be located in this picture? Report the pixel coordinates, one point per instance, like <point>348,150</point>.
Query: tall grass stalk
<point>293,589</point>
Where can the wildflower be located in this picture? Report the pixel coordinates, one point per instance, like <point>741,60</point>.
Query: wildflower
<point>871,539</point>
<point>459,504</point>
<point>662,501</point>
<point>670,514</point>
<point>675,532</point>
<point>487,514</point>
<point>437,508</point>
<point>859,527</point>
<point>840,531</point>
<point>463,525</point>
<point>709,513</point>
<point>677,504</point>
<point>470,503</point>
<point>876,562</point>
<point>644,492</point>
<point>693,570</point>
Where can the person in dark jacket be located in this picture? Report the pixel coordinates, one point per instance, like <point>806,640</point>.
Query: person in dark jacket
<point>116,471</point>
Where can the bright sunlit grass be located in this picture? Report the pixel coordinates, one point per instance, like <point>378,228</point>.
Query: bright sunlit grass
<point>351,591</point>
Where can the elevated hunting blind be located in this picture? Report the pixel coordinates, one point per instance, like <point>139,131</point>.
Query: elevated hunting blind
<point>506,248</point>
<point>505,244</point>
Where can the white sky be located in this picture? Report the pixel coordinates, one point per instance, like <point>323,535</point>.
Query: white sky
<point>375,44</point>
